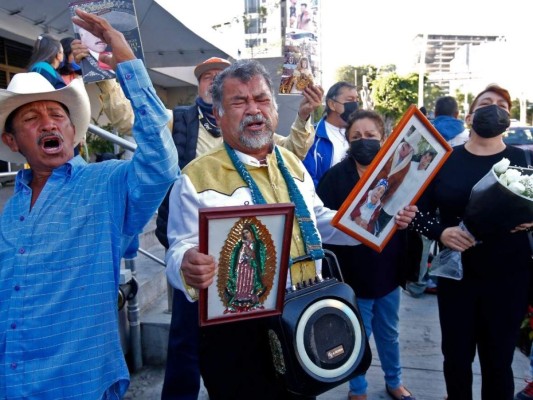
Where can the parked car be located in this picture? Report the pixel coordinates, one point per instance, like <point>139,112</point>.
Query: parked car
<point>520,136</point>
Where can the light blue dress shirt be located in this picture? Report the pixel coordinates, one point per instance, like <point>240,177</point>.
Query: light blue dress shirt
<point>60,261</point>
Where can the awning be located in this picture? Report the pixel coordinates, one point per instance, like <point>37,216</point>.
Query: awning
<point>171,49</point>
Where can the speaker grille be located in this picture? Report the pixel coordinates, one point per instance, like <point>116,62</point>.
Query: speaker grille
<point>328,338</point>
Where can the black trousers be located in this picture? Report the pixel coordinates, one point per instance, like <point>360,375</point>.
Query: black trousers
<point>182,374</point>
<point>236,363</point>
<point>482,313</point>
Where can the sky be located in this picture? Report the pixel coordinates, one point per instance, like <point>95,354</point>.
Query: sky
<point>380,32</point>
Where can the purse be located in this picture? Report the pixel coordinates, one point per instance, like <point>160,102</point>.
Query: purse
<point>319,341</point>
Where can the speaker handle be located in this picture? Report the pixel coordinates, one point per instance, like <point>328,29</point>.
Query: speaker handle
<point>331,261</point>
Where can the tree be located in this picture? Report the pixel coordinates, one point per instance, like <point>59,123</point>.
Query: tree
<point>393,94</point>
<point>431,93</point>
<point>348,73</point>
<point>515,110</point>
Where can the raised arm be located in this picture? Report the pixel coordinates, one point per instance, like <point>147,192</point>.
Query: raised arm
<point>302,132</point>
<point>154,166</point>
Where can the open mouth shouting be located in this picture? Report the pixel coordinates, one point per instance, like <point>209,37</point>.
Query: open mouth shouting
<point>51,142</point>
<point>254,123</point>
<point>256,132</point>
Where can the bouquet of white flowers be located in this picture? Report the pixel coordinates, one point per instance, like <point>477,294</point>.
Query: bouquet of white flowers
<point>499,202</point>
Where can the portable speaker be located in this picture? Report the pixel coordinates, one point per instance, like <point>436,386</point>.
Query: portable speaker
<point>319,341</point>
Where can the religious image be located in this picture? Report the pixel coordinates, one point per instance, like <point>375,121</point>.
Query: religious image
<point>296,76</point>
<point>247,265</point>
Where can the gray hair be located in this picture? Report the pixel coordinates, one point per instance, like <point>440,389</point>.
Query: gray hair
<point>243,70</point>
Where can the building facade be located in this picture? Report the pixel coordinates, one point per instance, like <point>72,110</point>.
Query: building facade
<point>438,51</point>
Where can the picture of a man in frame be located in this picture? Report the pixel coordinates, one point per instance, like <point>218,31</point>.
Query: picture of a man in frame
<point>395,171</point>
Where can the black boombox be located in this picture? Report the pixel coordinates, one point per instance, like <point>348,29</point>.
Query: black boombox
<point>319,341</point>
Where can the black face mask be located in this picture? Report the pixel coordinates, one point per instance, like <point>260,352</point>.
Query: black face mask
<point>490,121</point>
<point>349,107</point>
<point>364,150</point>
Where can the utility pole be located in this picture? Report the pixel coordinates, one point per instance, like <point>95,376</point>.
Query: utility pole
<point>422,70</point>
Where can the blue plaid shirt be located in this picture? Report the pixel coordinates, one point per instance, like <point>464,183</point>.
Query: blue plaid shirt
<point>60,261</point>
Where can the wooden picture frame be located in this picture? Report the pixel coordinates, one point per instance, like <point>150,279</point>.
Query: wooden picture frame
<point>252,275</point>
<point>393,180</point>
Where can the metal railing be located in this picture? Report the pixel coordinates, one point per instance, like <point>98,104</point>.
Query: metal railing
<point>111,137</point>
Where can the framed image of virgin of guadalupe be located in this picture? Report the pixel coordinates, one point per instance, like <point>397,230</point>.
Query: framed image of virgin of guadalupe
<point>408,160</point>
<point>251,245</point>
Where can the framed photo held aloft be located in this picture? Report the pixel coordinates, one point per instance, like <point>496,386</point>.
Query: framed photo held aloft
<point>408,160</point>
<point>251,245</point>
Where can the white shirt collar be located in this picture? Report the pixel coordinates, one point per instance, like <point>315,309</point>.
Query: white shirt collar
<point>249,160</point>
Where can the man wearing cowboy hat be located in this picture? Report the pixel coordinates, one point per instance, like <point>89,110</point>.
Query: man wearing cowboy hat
<point>63,232</point>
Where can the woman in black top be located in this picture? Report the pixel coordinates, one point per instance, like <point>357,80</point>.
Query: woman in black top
<point>375,277</point>
<point>482,311</point>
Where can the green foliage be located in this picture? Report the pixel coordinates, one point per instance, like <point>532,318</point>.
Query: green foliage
<point>348,73</point>
<point>431,93</point>
<point>95,144</point>
<point>393,94</point>
<point>317,113</point>
<point>515,110</point>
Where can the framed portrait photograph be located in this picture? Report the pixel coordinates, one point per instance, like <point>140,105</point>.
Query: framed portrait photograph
<point>408,160</point>
<point>251,245</point>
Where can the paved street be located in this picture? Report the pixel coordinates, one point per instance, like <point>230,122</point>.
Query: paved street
<point>420,352</point>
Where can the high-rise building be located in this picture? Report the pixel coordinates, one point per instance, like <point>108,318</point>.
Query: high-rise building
<point>262,28</point>
<point>439,51</point>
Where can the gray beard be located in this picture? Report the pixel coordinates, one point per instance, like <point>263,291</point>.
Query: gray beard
<point>259,140</point>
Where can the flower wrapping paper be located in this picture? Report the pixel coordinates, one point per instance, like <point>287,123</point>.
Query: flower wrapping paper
<point>493,208</point>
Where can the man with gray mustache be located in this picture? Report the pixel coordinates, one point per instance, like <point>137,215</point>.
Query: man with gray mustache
<point>248,168</point>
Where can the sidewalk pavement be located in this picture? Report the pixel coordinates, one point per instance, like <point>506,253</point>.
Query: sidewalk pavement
<point>420,354</point>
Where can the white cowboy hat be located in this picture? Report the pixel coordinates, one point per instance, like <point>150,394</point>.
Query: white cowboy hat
<point>413,139</point>
<point>27,87</point>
